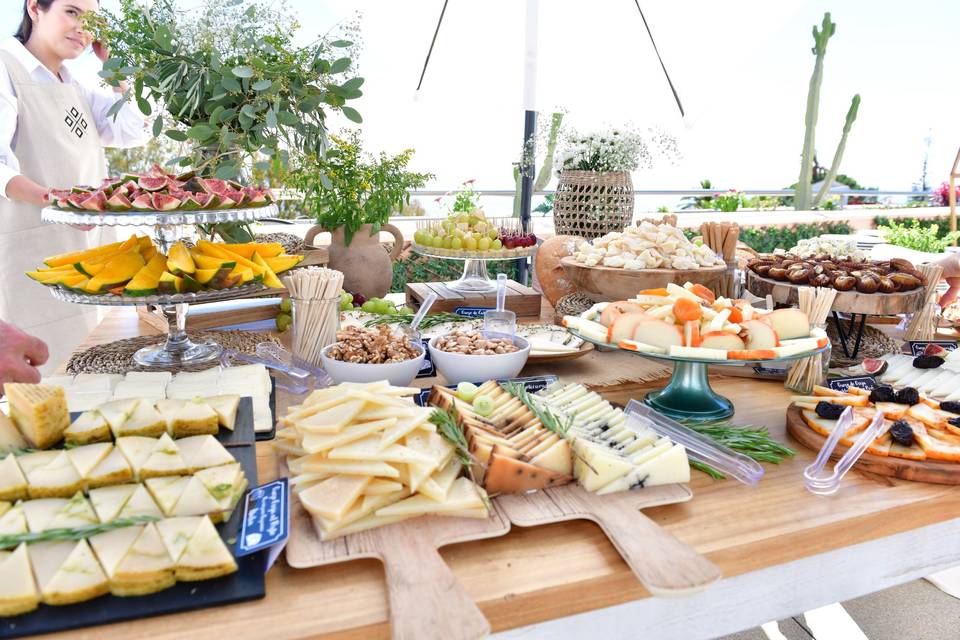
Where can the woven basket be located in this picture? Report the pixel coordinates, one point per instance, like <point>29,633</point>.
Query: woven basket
<point>590,204</point>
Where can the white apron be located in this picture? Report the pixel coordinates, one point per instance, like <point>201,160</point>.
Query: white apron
<point>58,146</point>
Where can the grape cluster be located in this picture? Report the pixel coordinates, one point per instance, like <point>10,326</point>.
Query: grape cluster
<point>470,232</point>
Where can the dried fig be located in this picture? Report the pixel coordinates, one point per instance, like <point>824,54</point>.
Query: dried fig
<point>844,282</point>
<point>777,273</point>
<point>887,285</point>
<point>905,281</point>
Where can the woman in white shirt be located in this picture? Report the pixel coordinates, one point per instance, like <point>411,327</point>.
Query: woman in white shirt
<point>52,134</point>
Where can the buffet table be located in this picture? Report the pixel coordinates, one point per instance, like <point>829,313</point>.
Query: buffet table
<point>781,550</point>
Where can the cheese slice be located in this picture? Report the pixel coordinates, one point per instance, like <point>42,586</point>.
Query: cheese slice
<point>669,467</point>
<point>112,546</point>
<point>361,509</point>
<point>352,467</point>
<point>13,484</point>
<point>136,449</point>
<point>463,495</point>
<point>206,556</point>
<point>109,501</point>
<point>79,578</point>
<point>368,449</point>
<point>10,438</point>
<point>165,460</point>
<point>378,412</point>
<point>320,442</point>
<point>40,512</point>
<point>32,461</point>
<point>195,500</point>
<point>77,512</point>
<point>13,522</point>
<point>166,491</point>
<point>226,407</point>
<point>332,498</point>
<point>195,417</point>
<point>18,590</point>
<point>117,412</point>
<point>557,458</point>
<point>402,427</point>
<point>39,411</point>
<point>366,523</point>
<point>202,452</point>
<point>145,420</point>
<point>58,478</point>
<point>333,419</point>
<point>176,533</point>
<point>225,483</point>
<point>169,408</point>
<point>379,486</point>
<point>597,468</point>
<point>140,504</point>
<point>147,567</point>
<point>114,469</point>
<point>431,446</point>
<point>86,458</point>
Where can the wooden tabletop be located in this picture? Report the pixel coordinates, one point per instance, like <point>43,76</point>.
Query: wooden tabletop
<point>539,574</point>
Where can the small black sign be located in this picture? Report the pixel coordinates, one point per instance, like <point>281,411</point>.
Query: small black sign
<point>472,312</point>
<point>861,382</point>
<point>917,347</point>
<point>427,369</point>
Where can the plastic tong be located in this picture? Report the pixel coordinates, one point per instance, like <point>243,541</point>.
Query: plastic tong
<point>825,485</point>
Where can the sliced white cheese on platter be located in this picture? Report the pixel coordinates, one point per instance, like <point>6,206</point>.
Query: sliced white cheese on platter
<point>402,427</point>
<point>369,449</point>
<point>78,578</point>
<point>164,460</point>
<point>226,407</point>
<point>136,449</point>
<point>13,484</point>
<point>667,468</point>
<point>89,426</point>
<point>77,512</point>
<point>117,412</point>
<point>86,458</point>
<point>112,546</point>
<point>18,591</point>
<point>380,486</point>
<point>147,561</point>
<point>463,494</point>
<point>13,522</point>
<point>112,469</point>
<point>109,501</point>
<point>201,452</point>
<point>332,420</point>
<point>332,498</point>
<point>223,483</point>
<point>352,467</point>
<point>371,521</point>
<point>319,442</point>
<point>702,353</point>
<point>206,555</point>
<point>57,477</point>
<point>167,491</point>
<point>176,533</point>
<point>195,500</point>
<point>39,513</point>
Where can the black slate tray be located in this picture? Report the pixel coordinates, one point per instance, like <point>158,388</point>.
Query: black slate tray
<point>247,583</point>
<point>242,434</point>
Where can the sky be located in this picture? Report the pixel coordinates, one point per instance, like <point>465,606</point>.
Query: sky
<point>741,68</point>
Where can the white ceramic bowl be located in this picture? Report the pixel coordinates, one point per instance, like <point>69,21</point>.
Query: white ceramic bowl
<point>458,367</point>
<point>399,374</point>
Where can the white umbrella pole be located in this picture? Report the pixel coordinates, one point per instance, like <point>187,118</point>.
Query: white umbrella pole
<point>527,165</point>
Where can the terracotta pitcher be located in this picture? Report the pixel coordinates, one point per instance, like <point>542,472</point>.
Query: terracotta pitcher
<point>365,264</point>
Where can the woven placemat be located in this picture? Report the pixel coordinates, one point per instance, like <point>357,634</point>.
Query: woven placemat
<point>875,343</point>
<point>117,357</point>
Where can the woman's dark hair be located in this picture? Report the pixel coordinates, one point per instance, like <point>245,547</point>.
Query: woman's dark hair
<point>26,27</point>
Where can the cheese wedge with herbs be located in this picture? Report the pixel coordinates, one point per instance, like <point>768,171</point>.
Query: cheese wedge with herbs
<point>164,460</point>
<point>108,502</point>
<point>113,469</point>
<point>111,547</point>
<point>14,522</point>
<point>226,407</point>
<point>87,458</point>
<point>39,412</point>
<point>10,438</point>
<point>54,476</point>
<point>145,420</point>
<point>13,484</point>
<point>67,572</point>
<point>117,412</point>
<point>146,568</point>
<point>18,590</point>
<point>205,556</point>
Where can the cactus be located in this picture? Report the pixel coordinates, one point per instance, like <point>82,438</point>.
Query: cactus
<point>835,166</point>
<point>543,176</point>
<point>820,38</point>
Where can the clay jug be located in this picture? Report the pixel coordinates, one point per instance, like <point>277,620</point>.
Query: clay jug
<point>365,264</point>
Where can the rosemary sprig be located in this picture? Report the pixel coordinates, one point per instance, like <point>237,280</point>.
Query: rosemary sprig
<point>547,418</point>
<point>751,440</point>
<point>22,451</point>
<point>446,422</point>
<point>73,533</point>
<point>430,320</point>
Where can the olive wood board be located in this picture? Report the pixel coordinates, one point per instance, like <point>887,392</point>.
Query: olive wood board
<point>663,564</point>
<point>873,304</point>
<point>247,583</point>
<point>607,284</point>
<point>584,349</point>
<point>933,471</point>
<point>425,599</point>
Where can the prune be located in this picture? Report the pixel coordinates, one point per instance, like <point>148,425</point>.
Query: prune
<point>902,433</point>
<point>883,393</point>
<point>954,421</point>
<point>927,362</point>
<point>951,405</point>
<point>828,410</point>
<point>907,395</point>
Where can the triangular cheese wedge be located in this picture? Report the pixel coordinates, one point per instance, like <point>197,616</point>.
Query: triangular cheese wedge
<point>13,522</point>
<point>77,512</point>
<point>557,458</point>
<point>144,421</point>
<point>366,523</point>
<point>508,475</point>
<point>79,578</point>
<point>668,468</point>
<point>320,442</point>
<point>39,513</point>
<point>164,461</point>
<point>195,501</point>
<point>332,498</point>
<point>417,473</point>
<point>86,458</point>
<point>46,558</point>
<point>140,504</point>
<point>194,418</point>
<point>403,427</point>
<point>202,452</point>
<point>167,491</point>
<point>169,409</point>
<point>112,546</point>
<point>32,461</point>
<point>89,427</point>
<point>147,567</point>
<point>18,591</point>
<point>10,437</point>
<point>352,467</point>
<point>463,495</point>
<point>361,509</point>
<point>117,412</point>
<point>226,407</point>
<point>376,412</point>
<point>114,469</point>
<point>332,420</point>
<point>369,449</point>
<point>223,483</point>
<point>379,487</point>
<point>109,501</point>
<point>176,533</point>
<point>206,556</point>
<point>430,445</point>
<point>599,468</point>
<point>13,484</point>
<point>438,485</point>
<point>58,478</point>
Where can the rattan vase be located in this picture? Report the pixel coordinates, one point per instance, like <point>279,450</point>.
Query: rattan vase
<point>591,203</point>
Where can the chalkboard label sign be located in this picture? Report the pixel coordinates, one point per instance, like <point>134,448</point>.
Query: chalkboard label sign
<point>266,517</point>
<point>860,382</point>
<point>471,312</point>
<point>917,347</point>
<point>427,369</point>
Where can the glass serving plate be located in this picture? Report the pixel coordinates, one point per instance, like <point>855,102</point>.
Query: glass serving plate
<point>177,350</point>
<point>156,218</point>
<point>475,279</point>
<point>688,395</point>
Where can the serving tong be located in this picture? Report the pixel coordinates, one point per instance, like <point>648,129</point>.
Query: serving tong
<point>822,484</point>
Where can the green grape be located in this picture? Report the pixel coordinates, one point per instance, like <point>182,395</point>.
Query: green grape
<point>483,405</point>
<point>283,322</point>
<point>496,245</point>
<point>405,311</point>
<point>370,306</point>
<point>493,234</point>
<point>456,243</point>
<point>385,306</point>
<point>483,244</point>
<point>470,244</point>
<point>467,391</point>
<point>286,305</point>
<point>437,241</point>
<point>448,242</point>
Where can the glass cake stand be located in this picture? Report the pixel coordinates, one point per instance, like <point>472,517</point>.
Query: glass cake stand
<point>688,395</point>
<point>475,279</point>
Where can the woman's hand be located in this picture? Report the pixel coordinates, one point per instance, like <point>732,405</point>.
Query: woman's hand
<point>20,355</point>
<point>101,50</point>
<point>951,273</point>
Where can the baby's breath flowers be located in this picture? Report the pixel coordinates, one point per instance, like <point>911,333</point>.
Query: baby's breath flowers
<point>617,150</point>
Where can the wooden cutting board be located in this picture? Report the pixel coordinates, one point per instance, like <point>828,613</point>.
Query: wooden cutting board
<point>873,304</point>
<point>934,471</point>
<point>665,565</point>
<point>426,600</point>
<point>605,284</point>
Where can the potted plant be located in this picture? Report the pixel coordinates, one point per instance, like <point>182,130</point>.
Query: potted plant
<point>595,192</point>
<point>227,82</point>
<point>352,195</point>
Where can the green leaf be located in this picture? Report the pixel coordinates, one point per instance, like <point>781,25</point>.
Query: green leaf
<point>200,131</point>
<point>157,126</point>
<point>242,72</point>
<point>227,172</point>
<point>215,116</point>
<point>339,66</point>
<point>144,106</point>
<point>106,74</point>
<point>263,165</point>
<point>352,114</point>
<point>129,70</point>
<point>173,134</point>
<point>352,84</point>
<point>262,85</point>
<point>231,84</point>
<point>249,111</point>
<point>113,64</point>
<point>287,118</point>
<point>341,43</point>
<point>115,108</point>
<point>271,118</point>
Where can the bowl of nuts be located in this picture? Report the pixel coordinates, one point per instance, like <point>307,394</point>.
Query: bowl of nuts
<point>472,356</point>
<point>369,355</point>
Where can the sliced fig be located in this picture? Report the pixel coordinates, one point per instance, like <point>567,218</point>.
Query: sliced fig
<point>874,366</point>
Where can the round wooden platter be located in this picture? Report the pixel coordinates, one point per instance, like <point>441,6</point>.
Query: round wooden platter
<point>936,472</point>
<point>873,304</point>
<point>607,284</point>
<point>584,349</point>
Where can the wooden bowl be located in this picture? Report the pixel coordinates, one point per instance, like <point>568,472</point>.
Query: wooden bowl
<point>607,284</point>
<point>873,304</point>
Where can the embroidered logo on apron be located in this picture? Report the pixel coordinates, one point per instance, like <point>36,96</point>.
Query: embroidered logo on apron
<point>76,122</point>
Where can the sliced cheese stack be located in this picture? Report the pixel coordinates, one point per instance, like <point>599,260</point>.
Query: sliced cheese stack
<point>515,451</point>
<point>942,383</point>
<point>609,455</point>
<point>246,380</point>
<point>153,418</point>
<point>38,411</point>
<point>363,456</point>
<point>60,473</point>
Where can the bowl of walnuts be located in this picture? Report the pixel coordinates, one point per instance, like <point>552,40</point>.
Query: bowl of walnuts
<point>478,356</point>
<point>369,355</point>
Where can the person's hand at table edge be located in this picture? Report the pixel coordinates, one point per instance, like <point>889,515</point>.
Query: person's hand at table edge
<point>20,355</point>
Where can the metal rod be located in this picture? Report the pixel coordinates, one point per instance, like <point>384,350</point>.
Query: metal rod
<point>432,42</point>
<point>527,170</point>
<point>657,51</point>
